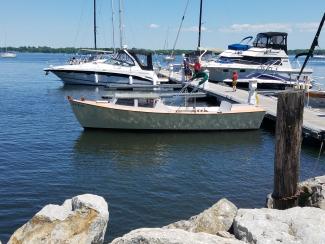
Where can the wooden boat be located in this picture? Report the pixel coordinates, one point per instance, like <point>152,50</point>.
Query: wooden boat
<point>316,94</point>
<point>315,98</point>
<point>106,114</point>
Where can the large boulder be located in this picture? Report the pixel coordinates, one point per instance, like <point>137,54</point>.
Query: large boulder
<point>216,219</point>
<point>171,236</point>
<point>82,219</point>
<point>292,226</point>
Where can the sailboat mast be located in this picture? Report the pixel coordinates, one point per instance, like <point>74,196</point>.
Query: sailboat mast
<point>95,35</point>
<point>121,24</point>
<point>113,25</point>
<point>200,23</point>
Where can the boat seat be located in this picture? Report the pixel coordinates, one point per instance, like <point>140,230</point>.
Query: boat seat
<point>225,107</point>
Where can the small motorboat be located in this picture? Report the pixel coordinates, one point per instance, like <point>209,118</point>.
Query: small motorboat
<point>8,55</point>
<point>169,58</point>
<point>315,98</point>
<point>149,112</point>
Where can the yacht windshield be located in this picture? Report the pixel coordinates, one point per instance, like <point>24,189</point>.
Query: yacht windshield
<point>275,40</point>
<point>122,58</point>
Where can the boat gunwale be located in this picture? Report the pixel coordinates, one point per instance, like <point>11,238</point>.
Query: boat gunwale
<point>108,105</point>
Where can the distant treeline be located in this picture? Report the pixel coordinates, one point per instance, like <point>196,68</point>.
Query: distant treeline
<point>316,52</point>
<point>31,49</point>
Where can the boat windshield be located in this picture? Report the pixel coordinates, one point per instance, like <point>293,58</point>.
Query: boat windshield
<point>143,58</point>
<point>275,40</point>
<point>122,58</point>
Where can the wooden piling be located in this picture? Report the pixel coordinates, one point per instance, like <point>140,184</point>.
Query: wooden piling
<point>290,109</point>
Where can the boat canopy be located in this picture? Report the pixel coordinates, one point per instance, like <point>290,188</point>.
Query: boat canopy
<point>143,58</point>
<point>274,40</point>
<point>240,46</point>
<point>129,57</point>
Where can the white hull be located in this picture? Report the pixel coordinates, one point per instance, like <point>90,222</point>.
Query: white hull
<point>169,58</point>
<point>223,73</point>
<point>8,55</point>
<point>267,83</point>
<point>94,78</point>
<point>104,115</point>
<point>101,74</point>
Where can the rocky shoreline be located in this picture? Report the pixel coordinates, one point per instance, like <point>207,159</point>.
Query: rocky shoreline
<point>84,219</point>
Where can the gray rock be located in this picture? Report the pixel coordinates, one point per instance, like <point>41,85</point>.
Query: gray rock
<point>225,234</point>
<point>217,218</point>
<point>313,192</point>
<point>292,226</point>
<point>171,236</point>
<point>82,219</point>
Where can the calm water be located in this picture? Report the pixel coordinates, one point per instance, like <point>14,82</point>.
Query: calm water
<point>148,179</point>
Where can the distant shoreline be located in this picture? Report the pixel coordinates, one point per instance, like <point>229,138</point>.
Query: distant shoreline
<point>72,50</point>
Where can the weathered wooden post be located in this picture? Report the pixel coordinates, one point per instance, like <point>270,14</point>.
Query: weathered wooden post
<point>287,149</point>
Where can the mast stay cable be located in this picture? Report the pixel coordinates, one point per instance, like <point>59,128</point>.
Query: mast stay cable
<point>179,29</point>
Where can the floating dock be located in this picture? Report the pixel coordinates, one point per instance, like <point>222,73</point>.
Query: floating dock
<point>314,120</point>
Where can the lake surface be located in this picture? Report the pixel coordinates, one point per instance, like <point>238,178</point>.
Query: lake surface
<point>148,179</point>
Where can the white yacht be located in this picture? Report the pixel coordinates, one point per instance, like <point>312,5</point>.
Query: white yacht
<point>124,67</point>
<point>267,60</point>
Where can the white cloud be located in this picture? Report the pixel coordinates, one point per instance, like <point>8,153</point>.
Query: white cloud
<point>257,27</point>
<point>196,29</point>
<point>307,27</point>
<point>301,27</point>
<point>153,26</point>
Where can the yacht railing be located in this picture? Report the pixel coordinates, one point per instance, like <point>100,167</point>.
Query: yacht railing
<point>268,65</point>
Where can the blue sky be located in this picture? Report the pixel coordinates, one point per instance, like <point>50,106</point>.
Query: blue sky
<point>66,23</point>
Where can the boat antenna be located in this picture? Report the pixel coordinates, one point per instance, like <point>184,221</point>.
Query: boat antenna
<point>95,41</point>
<point>179,29</point>
<point>113,28</point>
<point>313,45</point>
<point>200,23</point>
<point>121,24</point>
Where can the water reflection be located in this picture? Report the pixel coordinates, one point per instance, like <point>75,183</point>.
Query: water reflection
<point>153,147</point>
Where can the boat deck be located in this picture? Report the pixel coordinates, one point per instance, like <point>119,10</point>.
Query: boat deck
<point>314,119</point>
